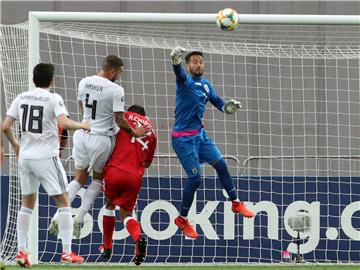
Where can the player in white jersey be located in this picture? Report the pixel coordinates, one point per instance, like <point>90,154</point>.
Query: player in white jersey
<point>39,111</point>
<point>101,101</point>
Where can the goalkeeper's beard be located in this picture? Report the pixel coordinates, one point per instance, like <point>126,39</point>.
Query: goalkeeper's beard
<point>197,72</point>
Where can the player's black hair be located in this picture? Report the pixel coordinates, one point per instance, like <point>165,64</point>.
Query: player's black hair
<point>43,75</point>
<point>111,62</point>
<point>188,56</point>
<point>137,109</point>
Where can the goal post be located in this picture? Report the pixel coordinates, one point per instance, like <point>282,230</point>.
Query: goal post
<point>298,79</point>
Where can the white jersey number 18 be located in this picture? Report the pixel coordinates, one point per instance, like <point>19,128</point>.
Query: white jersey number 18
<point>35,118</point>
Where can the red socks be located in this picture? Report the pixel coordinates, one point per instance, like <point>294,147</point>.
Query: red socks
<point>133,227</point>
<point>108,229</point>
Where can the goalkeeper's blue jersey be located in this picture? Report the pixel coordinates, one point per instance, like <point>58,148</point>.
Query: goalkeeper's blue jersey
<point>192,94</point>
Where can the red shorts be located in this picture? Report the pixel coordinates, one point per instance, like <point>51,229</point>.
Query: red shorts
<point>121,187</point>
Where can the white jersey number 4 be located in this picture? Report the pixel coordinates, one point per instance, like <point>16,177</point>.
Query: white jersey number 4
<point>91,106</point>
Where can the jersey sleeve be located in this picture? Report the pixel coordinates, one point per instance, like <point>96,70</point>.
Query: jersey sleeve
<point>119,100</point>
<point>59,106</point>
<point>214,98</point>
<point>13,111</point>
<point>179,73</point>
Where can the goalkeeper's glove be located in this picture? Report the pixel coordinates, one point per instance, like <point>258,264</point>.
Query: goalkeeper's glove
<point>231,106</point>
<point>176,55</point>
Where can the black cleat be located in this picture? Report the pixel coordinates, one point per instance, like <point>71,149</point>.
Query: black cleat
<point>106,253</point>
<point>140,251</point>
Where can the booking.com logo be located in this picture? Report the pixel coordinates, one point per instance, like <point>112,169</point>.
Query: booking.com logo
<point>201,218</point>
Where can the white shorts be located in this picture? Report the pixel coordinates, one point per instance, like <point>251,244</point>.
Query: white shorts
<point>48,172</point>
<point>91,151</point>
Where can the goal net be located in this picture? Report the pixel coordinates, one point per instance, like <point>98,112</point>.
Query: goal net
<point>295,145</point>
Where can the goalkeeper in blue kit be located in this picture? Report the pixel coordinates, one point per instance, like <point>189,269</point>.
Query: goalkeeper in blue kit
<point>189,139</point>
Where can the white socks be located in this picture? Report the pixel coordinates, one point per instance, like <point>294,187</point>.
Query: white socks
<point>23,224</point>
<point>65,223</point>
<point>89,198</point>
<point>73,189</point>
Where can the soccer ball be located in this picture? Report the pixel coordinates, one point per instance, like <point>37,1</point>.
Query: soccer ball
<point>227,19</point>
<point>300,221</point>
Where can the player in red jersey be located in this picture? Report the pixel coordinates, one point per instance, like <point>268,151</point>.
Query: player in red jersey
<point>122,181</point>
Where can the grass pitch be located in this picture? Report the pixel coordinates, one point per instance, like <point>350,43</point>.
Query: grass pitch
<point>191,267</point>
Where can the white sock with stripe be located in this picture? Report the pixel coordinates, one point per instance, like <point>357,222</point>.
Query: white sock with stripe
<point>23,225</point>
<point>90,195</point>
<point>65,223</point>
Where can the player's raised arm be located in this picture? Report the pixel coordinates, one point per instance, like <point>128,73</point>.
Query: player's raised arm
<point>123,124</point>
<point>175,56</point>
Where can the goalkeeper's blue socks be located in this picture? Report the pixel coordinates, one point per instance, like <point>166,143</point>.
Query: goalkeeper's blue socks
<point>188,194</point>
<point>225,179</point>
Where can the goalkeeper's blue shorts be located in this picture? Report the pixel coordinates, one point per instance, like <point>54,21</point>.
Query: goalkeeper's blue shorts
<point>194,150</point>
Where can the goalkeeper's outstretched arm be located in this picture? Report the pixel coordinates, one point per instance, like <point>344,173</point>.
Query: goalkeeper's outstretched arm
<point>214,98</point>
<point>176,61</point>
<point>228,107</point>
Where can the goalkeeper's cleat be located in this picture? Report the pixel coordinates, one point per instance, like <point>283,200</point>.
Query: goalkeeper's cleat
<point>71,257</point>
<point>105,252</point>
<point>140,251</point>
<point>53,227</point>
<point>77,228</point>
<point>239,207</point>
<point>23,260</point>
<point>186,227</point>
